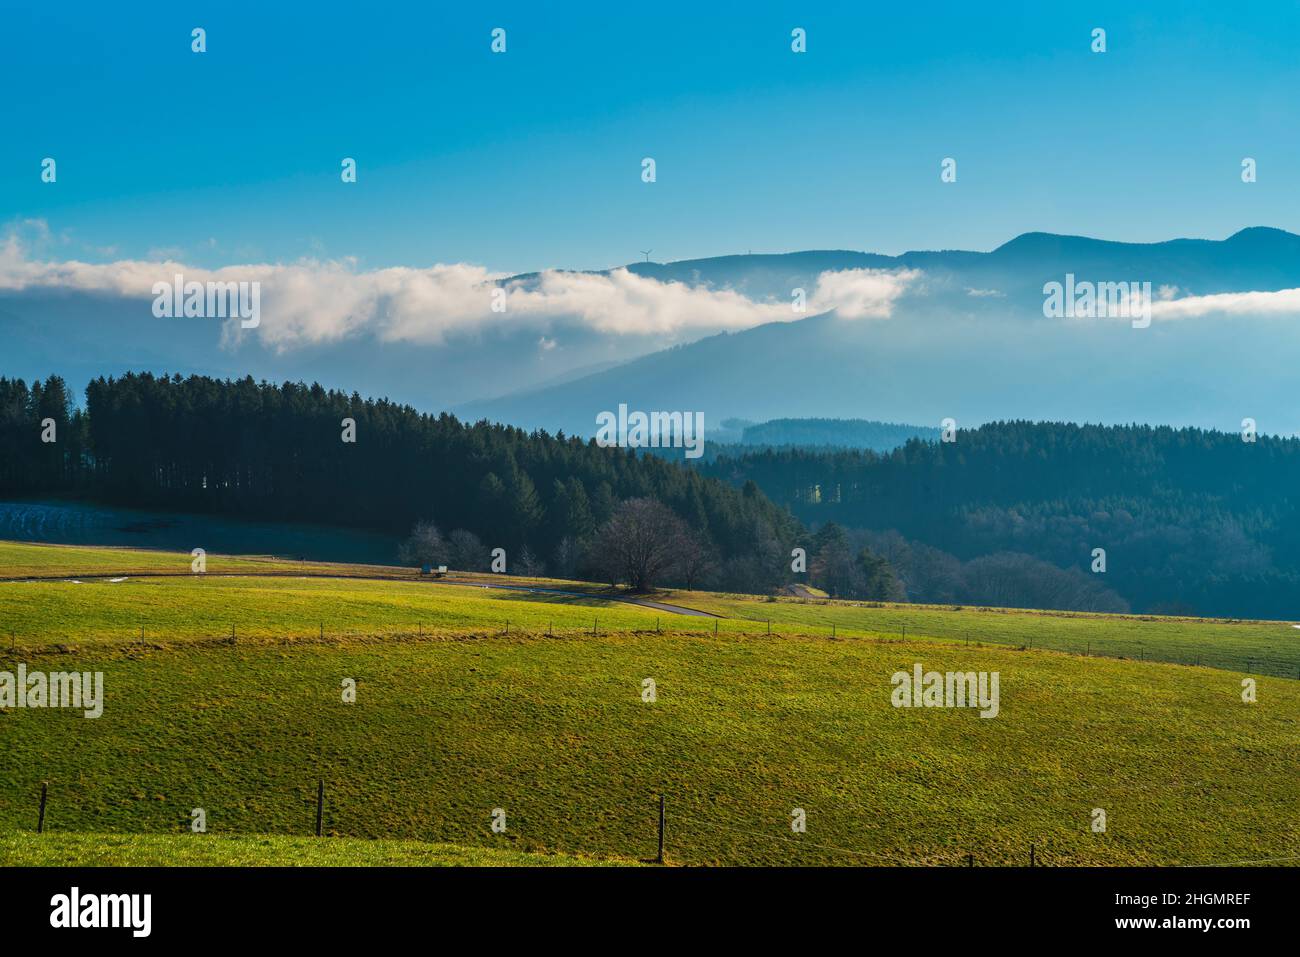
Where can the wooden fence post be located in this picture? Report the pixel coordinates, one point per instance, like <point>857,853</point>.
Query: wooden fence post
<point>320,805</point>
<point>40,820</point>
<point>660,858</point>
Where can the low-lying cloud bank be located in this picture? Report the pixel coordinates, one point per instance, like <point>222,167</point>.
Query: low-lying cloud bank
<point>316,302</point>
<point>1279,303</point>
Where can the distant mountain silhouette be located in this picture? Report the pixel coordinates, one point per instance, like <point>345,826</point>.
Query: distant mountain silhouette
<point>1258,257</point>
<point>972,344</point>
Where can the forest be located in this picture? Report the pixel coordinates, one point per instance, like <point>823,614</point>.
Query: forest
<point>293,452</point>
<point>1021,514</point>
<point>1189,520</point>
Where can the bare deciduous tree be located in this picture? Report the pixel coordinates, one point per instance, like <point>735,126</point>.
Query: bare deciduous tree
<point>424,546</point>
<point>529,564</point>
<point>697,559</point>
<point>641,543</point>
<point>568,555</point>
<point>465,552</point>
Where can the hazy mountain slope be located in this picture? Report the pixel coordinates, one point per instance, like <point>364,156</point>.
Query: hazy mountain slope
<point>970,342</point>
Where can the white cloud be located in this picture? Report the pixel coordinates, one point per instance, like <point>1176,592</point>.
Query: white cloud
<point>861,293</point>
<point>1280,303</point>
<point>323,301</point>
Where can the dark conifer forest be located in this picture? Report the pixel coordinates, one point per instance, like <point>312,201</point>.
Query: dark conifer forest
<point>1190,520</point>
<point>1012,513</point>
<point>262,451</point>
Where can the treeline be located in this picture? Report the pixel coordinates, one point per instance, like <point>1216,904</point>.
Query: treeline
<point>841,433</point>
<point>302,453</point>
<point>1191,521</point>
<point>1013,513</point>
<point>42,437</point>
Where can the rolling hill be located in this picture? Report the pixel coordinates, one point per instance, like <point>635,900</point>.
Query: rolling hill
<point>744,730</point>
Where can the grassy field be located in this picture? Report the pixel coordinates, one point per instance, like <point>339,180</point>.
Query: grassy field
<point>454,722</point>
<point>1258,647</point>
<point>98,612</point>
<point>26,559</point>
<point>28,849</point>
<point>296,600</point>
<point>744,730</point>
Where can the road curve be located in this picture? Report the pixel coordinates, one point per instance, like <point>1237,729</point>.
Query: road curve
<point>626,599</point>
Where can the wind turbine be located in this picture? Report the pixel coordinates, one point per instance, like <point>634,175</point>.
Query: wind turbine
<point>646,253</point>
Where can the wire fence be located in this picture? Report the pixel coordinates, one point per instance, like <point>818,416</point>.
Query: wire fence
<point>689,838</point>
<point>1283,662</point>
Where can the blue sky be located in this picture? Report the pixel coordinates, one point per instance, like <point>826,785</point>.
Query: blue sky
<point>531,159</point>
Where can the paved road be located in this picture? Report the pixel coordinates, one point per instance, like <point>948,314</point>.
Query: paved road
<point>464,583</point>
<point>643,602</point>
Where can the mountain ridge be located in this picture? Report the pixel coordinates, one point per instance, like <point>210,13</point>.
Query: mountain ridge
<point>971,312</point>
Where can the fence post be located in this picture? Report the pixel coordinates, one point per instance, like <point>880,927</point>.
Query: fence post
<point>320,805</point>
<point>660,858</point>
<point>1031,855</point>
<point>715,628</point>
<point>970,860</point>
<point>40,820</point>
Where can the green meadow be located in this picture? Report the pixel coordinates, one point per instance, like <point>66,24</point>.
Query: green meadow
<point>69,849</point>
<point>266,598</point>
<point>196,608</point>
<point>1257,647</point>
<point>743,731</point>
<point>455,719</point>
